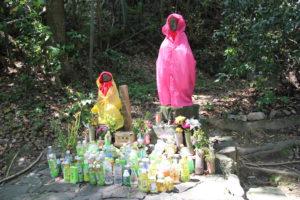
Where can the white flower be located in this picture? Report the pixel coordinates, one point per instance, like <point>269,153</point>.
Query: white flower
<point>193,123</point>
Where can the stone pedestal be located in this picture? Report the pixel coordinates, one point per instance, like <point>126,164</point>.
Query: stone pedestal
<point>170,113</point>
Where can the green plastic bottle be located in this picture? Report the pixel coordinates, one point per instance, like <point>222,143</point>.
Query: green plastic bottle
<point>86,176</point>
<point>92,175</point>
<point>100,175</point>
<point>73,174</point>
<point>184,170</point>
<point>53,165</point>
<point>191,164</point>
<point>78,164</point>
<point>66,171</point>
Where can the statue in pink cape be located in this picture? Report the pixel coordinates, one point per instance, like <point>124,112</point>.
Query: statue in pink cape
<point>175,65</point>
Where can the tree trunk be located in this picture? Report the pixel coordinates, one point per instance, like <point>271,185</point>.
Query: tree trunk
<point>56,21</point>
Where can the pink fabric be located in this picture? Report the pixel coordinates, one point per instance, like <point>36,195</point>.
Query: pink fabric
<point>175,67</point>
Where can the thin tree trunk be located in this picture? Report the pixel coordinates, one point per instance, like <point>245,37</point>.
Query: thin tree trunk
<point>56,20</point>
<point>92,27</point>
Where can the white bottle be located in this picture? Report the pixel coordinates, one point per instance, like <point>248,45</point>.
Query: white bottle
<point>118,173</point>
<point>50,151</point>
<point>108,176</point>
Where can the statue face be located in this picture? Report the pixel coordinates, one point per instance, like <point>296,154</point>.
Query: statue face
<point>106,78</point>
<point>173,24</point>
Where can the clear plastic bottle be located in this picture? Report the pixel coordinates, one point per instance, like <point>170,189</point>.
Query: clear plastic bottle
<point>49,151</point>
<point>126,176</point>
<point>118,173</point>
<point>92,174</point>
<point>108,176</point>
<point>100,175</point>
<point>133,178</point>
<point>69,157</point>
<point>152,169</point>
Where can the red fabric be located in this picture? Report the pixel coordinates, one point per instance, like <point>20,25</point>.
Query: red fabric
<point>104,88</point>
<point>172,35</point>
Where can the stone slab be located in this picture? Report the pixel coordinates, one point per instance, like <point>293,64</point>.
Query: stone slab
<point>266,193</point>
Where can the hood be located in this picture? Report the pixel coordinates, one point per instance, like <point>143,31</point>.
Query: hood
<point>180,26</point>
<point>101,76</point>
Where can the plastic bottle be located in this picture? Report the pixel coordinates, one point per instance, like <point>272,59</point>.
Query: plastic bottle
<point>86,176</point>
<point>79,149</point>
<point>126,176</point>
<point>169,184</point>
<point>152,185</point>
<point>69,157</point>
<point>73,174</point>
<point>84,146</point>
<point>66,171</point>
<point>54,171</point>
<point>49,151</point>
<point>175,170</point>
<point>108,176</point>
<point>107,139</point>
<point>118,173</point>
<point>92,174</point>
<point>152,169</point>
<point>143,180</point>
<point>191,164</point>
<point>133,178</point>
<point>161,183</point>
<point>100,175</point>
<point>184,169</point>
<point>78,164</point>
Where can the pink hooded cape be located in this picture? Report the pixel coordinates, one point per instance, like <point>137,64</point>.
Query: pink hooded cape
<point>175,67</point>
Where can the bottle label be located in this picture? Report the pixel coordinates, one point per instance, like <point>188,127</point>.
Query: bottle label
<point>53,168</point>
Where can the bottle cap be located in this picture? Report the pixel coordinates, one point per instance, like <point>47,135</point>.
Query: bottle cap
<point>97,166</point>
<point>91,166</point>
<point>67,152</point>
<point>117,160</point>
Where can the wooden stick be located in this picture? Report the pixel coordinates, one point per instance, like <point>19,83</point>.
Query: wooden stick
<point>24,170</point>
<point>11,163</point>
<point>274,171</point>
<point>271,164</point>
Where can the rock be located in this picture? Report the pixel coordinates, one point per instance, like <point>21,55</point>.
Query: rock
<point>13,191</point>
<point>273,113</point>
<point>170,113</point>
<point>266,193</point>
<point>225,165</point>
<point>55,196</point>
<point>182,187</point>
<point>238,117</point>
<point>58,187</point>
<point>286,112</point>
<point>254,116</point>
<point>233,186</point>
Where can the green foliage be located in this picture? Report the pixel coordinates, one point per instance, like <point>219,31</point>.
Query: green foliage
<point>268,98</point>
<point>67,141</point>
<point>201,139</point>
<point>261,37</point>
<point>83,104</point>
<point>208,106</point>
<point>141,125</point>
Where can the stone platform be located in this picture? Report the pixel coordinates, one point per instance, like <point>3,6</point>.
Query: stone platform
<point>39,185</point>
